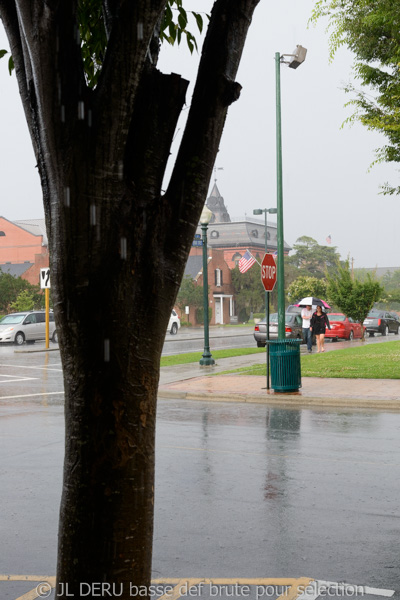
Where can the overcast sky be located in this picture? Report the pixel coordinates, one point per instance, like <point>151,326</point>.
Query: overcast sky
<point>327,186</point>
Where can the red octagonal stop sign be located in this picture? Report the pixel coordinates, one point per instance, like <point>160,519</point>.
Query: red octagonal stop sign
<point>268,272</point>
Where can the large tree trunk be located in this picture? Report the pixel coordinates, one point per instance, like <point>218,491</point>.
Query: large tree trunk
<point>118,249</point>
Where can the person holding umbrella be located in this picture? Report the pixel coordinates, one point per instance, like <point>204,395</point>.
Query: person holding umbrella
<point>306,314</point>
<point>319,323</point>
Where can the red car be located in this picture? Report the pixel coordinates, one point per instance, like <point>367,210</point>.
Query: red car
<point>343,327</point>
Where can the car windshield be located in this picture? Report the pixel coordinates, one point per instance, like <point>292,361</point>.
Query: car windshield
<point>12,319</point>
<point>336,318</point>
<point>374,314</point>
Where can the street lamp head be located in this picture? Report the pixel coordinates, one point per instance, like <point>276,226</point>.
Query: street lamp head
<point>272,211</point>
<point>206,216</point>
<point>258,211</point>
<point>299,56</point>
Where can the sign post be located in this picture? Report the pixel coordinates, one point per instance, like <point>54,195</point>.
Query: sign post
<point>268,278</point>
<point>45,284</point>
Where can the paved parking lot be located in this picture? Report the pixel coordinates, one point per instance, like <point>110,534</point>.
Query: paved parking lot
<point>282,496</point>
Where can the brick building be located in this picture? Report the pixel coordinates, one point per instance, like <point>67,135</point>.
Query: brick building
<point>23,248</point>
<point>220,286</point>
<point>235,236</point>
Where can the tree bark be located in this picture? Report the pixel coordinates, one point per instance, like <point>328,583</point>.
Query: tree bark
<point>118,249</point>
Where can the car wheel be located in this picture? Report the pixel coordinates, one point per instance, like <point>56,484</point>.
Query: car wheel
<point>351,336</point>
<point>19,338</point>
<point>385,330</point>
<point>54,339</point>
<point>260,345</point>
<point>371,334</point>
<point>174,329</point>
<point>397,332</point>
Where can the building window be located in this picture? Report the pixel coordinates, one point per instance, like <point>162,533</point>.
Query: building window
<point>235,258</point>
<point>218,277</point>
<point>214,234</point>
<point>254,233</point>
<point>2,233</point>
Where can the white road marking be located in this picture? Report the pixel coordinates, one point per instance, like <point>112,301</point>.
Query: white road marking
<point>16,380</point>
<point>30,367</point>
<point>31,395</point>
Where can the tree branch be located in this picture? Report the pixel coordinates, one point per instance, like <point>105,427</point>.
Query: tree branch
<point>130,37</point>
<point>215,90</point>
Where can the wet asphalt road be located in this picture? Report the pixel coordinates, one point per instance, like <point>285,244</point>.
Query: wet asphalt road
<point>241,490</point>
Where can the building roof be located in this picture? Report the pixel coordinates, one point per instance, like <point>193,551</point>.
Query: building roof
<point>216,204</point>
<point>34,226</point>
<point>17,269</point>
<point>242,233</point>
<point>194,266</point>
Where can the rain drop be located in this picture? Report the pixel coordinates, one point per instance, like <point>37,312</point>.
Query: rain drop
<point>123,248</point>
<point>81,110</point>
<point>106,350</point>
<point>92,214</point>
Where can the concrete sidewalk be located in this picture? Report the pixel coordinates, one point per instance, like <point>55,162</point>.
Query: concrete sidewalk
<point>193,382</point>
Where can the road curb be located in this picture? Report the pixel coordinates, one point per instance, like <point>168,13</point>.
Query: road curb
<point>293,400</point>
<point>26,351</point>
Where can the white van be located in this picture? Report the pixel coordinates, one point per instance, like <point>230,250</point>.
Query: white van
<point>26,327</point>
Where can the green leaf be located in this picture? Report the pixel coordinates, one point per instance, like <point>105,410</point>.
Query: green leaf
<point>199,21</point>
<point>10,65</point>
<point>3,53</point>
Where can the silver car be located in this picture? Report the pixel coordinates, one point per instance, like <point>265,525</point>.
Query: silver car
<point>26,326</point>
<point>293,328</point>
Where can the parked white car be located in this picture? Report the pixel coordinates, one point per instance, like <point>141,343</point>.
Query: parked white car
<point>26,326</point>
<point>174,323</point>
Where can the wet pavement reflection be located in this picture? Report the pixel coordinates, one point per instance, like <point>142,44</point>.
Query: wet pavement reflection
<point>242,490</point>
<point>250,491</point>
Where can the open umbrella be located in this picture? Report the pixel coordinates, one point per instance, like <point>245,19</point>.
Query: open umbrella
<point>311,301</point>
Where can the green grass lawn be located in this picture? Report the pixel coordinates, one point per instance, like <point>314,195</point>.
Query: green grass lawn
<point>375,361</point>
<point>192,357</point>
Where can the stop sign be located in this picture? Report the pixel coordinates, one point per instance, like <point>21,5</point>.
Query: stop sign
<point>268,272</point>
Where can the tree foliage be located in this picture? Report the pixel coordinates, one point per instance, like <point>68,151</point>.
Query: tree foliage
<point>10,289</point>
<point>372,31</point>
<point>353,297</point>
<point>306,286</point>
<point>248,289</point>
<point>24,301</point>
<point>93,26</point>
<point>189,294</point>
<point>312,259</point>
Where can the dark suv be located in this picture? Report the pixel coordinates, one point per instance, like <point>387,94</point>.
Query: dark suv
<point>381,321</point>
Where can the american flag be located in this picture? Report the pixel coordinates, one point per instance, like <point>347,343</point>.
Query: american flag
<point>246,262</point>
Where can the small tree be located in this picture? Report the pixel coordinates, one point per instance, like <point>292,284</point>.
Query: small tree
<point>189,294</point>
<point>11,287</point>
<point>306,286</point>
<point>24,301</point>
<point>248,289</point>
<point>353,297</point>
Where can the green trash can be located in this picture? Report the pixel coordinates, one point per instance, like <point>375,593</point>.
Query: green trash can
<point>285,365</point>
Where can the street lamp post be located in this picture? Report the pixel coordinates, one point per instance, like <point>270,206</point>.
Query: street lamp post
<point>259,211</point>
<point>207,359</point>
<point>295,59</point>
